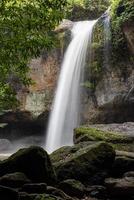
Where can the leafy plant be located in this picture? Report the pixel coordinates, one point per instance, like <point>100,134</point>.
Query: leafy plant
<point>25,30</point>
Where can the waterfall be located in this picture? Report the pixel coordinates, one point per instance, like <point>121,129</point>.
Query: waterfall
<point>65,115</point>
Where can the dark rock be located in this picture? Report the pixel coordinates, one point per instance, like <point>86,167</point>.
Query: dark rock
<point>98,191</point>
<point>26,196</point>
<point>129,174</point>
<point>39,188</point>
<point>14,180</point>
<point>10,117</point>
<point>8,193</point>
<point>85,162</point>
<point>120,187</point>
<point>72,187</point>
<point>58,193</point>
<point>22,124</point>
<point>121,165</point>
<point>33,161</point>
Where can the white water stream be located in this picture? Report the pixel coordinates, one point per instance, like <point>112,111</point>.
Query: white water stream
<point>65,115</point>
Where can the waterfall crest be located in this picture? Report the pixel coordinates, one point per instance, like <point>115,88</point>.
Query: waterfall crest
<point>65,114</point>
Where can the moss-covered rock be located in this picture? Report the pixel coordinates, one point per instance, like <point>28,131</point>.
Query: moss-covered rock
<point>34,162</point>
<point>95,134</point>
<point>117,140</point>
<point>85,162</point>
<point>72,187</point>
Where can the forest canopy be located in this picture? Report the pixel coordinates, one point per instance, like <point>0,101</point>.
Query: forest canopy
<point>25,30</point>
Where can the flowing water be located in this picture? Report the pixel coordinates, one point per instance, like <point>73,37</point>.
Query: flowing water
<point>65,115</point>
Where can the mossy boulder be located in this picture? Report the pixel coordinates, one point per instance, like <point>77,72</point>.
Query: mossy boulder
<point>85,162</point>
<point>72,187</point>
<point>34,162</point>
<point>95,134</point>
<point>117,140</point>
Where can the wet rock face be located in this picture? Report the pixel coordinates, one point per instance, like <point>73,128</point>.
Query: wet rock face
<point>128,29</point>
<point>44,72</point>
<point>113,98</point>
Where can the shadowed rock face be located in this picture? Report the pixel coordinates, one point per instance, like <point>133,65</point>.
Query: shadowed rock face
<point>128,30</point>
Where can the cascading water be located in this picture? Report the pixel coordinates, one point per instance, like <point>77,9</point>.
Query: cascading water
<point>65,115</point>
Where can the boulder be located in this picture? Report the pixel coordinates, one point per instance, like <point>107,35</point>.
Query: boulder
<point>34,162</point>
<point>121,165</point>
<point>72,187</point>
<point>97,191</point>
<point>14,180</point>
<point>107,133</point>
<point>58,193</point>
<point>97,134</point>
<point>39,188</point>
<point>85,162</point>
<point>120,187</point>
<point>7,193</point>
<point>26,196</point>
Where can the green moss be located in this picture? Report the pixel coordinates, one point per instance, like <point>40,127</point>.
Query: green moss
<point>85,162</point>
<point>122,11</point>
<point>97,134</point>
<point>123,147</point>
<point>116,140</point>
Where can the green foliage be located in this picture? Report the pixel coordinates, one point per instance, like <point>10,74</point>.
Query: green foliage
<point>25,30</point>
<point>87,9</point>
<point>96,5</point>
<point>122,11</point>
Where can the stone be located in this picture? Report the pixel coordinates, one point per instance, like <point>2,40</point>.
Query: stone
<point>14,180</point>
<point>120,187</point>
<point>129,174</point>
<point>97,191</point>
<point>39,188</point>
<point>99,134</point>
<point>121,165</point>
<point>34,162</point>
<point>7,193</point>
<point>26,196</point>
<point>72,187</point>
<point>85,162</point>
<point>58,193</point>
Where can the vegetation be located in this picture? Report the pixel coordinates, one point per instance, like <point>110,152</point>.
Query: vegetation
<point>122,11</point>
<point>115,139</point>
<point>87,9</point>
<point>25,30</point>
<point>97,134</point>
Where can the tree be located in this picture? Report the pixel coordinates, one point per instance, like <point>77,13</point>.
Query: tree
<point>25,30</point>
